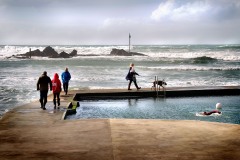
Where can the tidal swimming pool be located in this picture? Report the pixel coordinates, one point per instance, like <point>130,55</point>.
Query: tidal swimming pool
<point>184,108</point>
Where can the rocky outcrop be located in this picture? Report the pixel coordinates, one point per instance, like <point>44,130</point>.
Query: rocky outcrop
<point>50,52</point>
<point>121,52</point>
<point>47,52</point>
<point>73,53</point>
<point>36,52</point>
<point>64,55</point>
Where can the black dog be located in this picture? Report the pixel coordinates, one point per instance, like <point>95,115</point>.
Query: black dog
<point>159,84</point>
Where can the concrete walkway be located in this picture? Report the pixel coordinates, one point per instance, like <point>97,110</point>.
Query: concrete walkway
<point>27,132</point>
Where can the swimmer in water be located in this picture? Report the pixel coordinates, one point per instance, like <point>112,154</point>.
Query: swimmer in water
<point>218,107</point>
<point>214,111</point>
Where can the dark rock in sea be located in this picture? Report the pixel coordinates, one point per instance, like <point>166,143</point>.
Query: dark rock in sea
<point>121,52</point>
<point>50,52</point>
<point>73,53</point>
<point>47,52</point>
<point>36,52</point>
<point>18,57</point>
<point>64,55</point>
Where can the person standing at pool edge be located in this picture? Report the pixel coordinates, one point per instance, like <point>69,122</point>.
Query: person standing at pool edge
<point>66,76</point>
<point>43,84</point>
<point>56,88</point>
<point>132,77</point>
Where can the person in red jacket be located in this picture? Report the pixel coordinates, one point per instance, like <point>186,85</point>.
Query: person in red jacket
<point>56,88</point>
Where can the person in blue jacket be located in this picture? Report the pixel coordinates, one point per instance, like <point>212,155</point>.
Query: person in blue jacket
<point>66,76</point>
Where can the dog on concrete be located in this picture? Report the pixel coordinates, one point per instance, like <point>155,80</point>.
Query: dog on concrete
<point>159,84</point>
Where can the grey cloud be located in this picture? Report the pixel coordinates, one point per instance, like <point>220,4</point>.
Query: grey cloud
<point>109,22</point>
<point>83,3</point>
<point>206,10</point>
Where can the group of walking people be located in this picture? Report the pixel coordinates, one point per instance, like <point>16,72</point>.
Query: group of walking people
<point>44,83</point>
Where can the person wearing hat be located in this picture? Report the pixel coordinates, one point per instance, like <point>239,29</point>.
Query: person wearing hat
<point>44,83</point>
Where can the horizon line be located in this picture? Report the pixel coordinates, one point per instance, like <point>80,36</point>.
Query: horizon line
<point>116,44</point>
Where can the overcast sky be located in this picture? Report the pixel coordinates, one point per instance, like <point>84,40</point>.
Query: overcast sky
<point>96,22</point>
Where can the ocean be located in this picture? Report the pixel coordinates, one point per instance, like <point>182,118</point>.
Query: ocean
<point>178,65</point>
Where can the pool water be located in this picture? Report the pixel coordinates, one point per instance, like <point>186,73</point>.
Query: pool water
<point>184,108</point>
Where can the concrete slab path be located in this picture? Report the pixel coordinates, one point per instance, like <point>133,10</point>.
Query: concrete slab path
<point>27,132</point>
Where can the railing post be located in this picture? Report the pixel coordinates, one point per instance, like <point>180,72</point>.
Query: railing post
<point>157,85</point>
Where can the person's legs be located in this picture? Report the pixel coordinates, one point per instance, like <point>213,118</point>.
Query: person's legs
<point>129,84</point>
<point>41,99</point>
<point>54,99</point>
<point>58,98</point>
<point>135,83</point>
<point>66,88</point>
<point>44,99</point>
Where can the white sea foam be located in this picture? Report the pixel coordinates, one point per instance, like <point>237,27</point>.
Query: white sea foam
<point>192,67</point>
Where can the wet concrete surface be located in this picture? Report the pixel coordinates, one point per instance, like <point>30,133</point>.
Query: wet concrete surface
<point>27,132</point>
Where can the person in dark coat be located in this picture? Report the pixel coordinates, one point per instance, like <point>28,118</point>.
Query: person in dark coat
<point>132,77</point>
<point>44,83</point>
<point>66,76</point>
